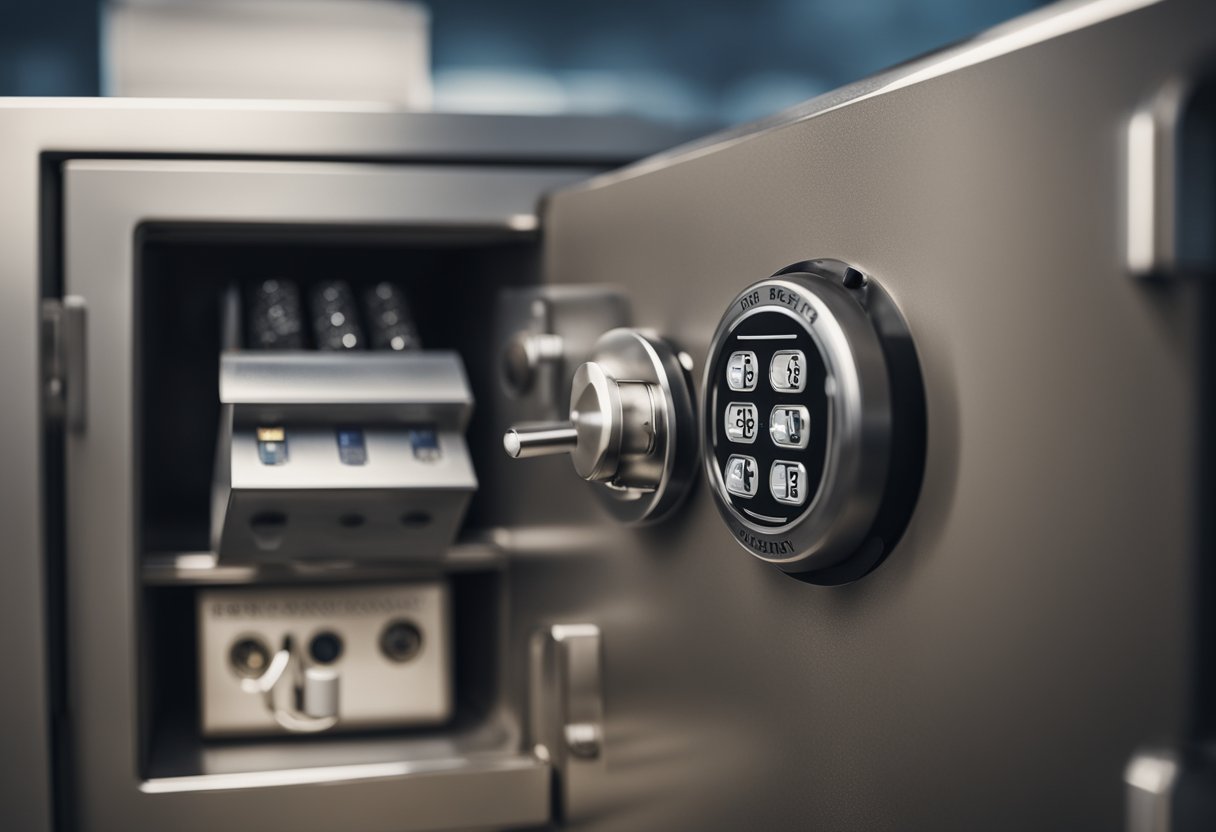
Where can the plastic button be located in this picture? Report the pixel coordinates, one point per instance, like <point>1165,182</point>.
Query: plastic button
<point>787,482</point>
<point>741,371</point>
<point>789,426</point>
<point>787,372</point>
<point>741,476</point>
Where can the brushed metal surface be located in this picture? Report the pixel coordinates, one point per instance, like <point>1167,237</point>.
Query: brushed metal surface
<point>435,382</point>
<point>1030,632</point>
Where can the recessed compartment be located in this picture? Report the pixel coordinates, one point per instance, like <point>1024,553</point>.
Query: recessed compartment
<point>309,512</point>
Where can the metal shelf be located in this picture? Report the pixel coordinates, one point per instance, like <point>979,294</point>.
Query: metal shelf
<point>205,568</point>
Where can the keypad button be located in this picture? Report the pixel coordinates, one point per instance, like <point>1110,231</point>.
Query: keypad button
<point>741,371</point>
<point>741,422</point>
<point>787,482</point>
<point>741,476</point>
<point>787,372</point>
<point>789,426</point>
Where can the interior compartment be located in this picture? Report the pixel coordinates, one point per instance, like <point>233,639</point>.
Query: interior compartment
<point>451,278</point>
<point>175,746</point>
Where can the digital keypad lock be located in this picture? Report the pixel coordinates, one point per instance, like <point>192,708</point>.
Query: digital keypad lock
<point>813,421</point>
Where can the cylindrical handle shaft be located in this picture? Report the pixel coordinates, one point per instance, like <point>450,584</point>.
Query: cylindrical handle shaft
<point>540,440</point>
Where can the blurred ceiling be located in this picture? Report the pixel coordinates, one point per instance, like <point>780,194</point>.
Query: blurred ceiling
<point>713,62</point>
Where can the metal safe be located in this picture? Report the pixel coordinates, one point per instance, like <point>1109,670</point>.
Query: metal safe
<point>891,410</point>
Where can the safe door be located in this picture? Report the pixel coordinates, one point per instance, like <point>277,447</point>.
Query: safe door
<point>941,564</point>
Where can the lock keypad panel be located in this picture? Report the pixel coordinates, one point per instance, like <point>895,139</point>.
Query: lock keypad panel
<point>836,452</point>
<point>783,420</point>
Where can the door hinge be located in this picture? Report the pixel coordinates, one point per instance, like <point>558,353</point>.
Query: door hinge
<point>63,361</point>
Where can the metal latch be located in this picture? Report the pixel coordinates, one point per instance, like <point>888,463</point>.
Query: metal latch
<point>1171,201</point>
<point>566,713</point>
<point>63,361</point>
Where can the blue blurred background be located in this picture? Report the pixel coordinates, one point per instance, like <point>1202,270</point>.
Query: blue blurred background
<point>712,62</point>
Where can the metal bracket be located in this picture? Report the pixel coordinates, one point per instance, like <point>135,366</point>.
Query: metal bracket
<point>548,331</point>
<point>63,361</point>
<point>566,713</point>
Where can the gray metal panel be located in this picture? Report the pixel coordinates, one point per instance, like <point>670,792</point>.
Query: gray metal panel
<point>373,692</point>
<point>484,793</point>
<point>390,464</point>
<point>1054,20</point>
<point>1032,628</point>
<point>183,127</point>
<point>436,379</point>
<point>32,127</point>
<point>105,203</point>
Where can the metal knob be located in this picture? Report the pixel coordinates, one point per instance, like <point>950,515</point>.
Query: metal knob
<point>319,694</point>
<point>613,426</point>
<point>627,408</point>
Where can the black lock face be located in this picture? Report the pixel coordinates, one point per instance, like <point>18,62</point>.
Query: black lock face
<point>770,419</point>
<point>813,421</point>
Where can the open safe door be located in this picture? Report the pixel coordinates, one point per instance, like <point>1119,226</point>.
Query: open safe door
<point>940,561</point>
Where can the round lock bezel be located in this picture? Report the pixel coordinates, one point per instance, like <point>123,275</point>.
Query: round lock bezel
<point>835,522</point>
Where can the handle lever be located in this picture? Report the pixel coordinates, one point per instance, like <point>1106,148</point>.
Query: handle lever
<point>545,439</point>
<point>628,410</point>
